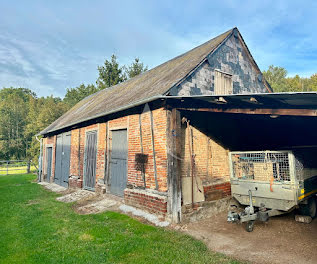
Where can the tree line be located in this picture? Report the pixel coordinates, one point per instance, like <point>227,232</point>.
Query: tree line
<point>277,78</point>
<point>23,114</point>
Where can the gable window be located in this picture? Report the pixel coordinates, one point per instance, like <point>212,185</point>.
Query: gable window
<point>223,83</point>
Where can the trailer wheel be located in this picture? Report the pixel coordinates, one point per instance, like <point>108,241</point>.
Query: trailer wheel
<point>249,226</point>
<point>309,209</point>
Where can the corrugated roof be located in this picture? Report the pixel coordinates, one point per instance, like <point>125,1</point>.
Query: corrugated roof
<point>154,82</point>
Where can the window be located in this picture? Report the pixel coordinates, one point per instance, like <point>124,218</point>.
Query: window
<point>223,83</point>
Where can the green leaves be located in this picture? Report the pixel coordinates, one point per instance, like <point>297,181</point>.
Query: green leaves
<point>23,114</point>
<point>135,68</point>
<point>75,95</point>
<point>276,76</point>
<point>110,73</point>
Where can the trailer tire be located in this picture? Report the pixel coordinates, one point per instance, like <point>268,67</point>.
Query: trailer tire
<point>309,209</point>
<point>249,226</point>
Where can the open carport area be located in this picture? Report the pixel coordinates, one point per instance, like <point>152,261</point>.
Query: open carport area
<point>276,122</point>
<point>255,122</point>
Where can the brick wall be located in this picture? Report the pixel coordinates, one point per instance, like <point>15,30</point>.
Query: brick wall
<point>211,159</point>
<point>223,188</point>
<point>134,177</point>
<point>74,160</point>
<point>211,163</point>
<point>160,126</point>
<point>101,151</point>
<point>152,202</point>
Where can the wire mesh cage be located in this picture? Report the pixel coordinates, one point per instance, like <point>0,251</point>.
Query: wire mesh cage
<point>261,166</point>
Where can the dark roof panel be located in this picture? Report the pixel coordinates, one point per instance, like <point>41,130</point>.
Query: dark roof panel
<point>154,82</point>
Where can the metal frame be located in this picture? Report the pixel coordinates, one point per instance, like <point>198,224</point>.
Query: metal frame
<point>291,166</point>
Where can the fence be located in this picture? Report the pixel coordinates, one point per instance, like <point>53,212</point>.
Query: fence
<point>10,167</point>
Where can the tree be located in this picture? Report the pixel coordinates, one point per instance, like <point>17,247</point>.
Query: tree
<point>110,73</point>
<point>135,68</point>
<point>312,83</point>
<point>42,112</point>
<point>74,95</point>
<point>13,118</point>
<point>296,84</point>
<point>276,78</point>
<point>23,114</point>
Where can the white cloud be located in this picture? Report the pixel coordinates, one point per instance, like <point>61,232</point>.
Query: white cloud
<point>50,46</point>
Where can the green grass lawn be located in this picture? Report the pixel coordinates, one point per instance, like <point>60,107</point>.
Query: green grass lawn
<point>35,228</point>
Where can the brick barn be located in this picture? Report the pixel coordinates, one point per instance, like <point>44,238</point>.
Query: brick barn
<point>161,139</point>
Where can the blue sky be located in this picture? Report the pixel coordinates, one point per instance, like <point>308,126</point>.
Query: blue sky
<point>49,46</point>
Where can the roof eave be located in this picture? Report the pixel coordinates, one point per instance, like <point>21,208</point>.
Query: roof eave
<point>153,98</point>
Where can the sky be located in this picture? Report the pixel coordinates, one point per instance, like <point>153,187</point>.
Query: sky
<point>49,46</point>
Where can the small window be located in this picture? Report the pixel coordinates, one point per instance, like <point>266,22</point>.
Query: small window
<point>223,83</point>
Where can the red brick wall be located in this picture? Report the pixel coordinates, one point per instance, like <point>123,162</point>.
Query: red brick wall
<point>153,203</point>
<point>160,126</point>
<point>211,163</point>
<point>211,159</point>
<point>131,123</point>
<point>74,165</point>
<point>101,151</point>
<point>78,138</point>
<point>225,188</point>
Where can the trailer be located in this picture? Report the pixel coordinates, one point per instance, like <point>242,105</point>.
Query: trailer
<point>270,183</point>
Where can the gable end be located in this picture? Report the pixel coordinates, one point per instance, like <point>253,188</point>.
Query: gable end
<point>231,57</point>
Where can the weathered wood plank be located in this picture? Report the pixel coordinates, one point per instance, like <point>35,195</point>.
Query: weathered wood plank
<point>173,163</point>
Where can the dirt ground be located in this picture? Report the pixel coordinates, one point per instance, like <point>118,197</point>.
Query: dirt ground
<point>281,240</point>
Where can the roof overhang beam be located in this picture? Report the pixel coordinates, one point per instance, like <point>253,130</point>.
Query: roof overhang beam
<point>258,111</point>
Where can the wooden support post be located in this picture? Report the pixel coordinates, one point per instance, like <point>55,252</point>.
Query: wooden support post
<point>141,143</point>
<point>153,148</point>
<point>107,180</point>
<point>79,153</point>
<point>106,157</point>
<point>28,169</point>
<point>174,164</point>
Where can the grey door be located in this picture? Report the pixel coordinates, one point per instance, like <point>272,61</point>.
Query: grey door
<point>58,159</point>
<point>118,162</point>
<point>90,160</point>
<point>62,159</point>
<point>66,159</point>
<point>49,152</point>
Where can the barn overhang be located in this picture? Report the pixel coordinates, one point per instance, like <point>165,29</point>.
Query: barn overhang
<point>255,121</point>
<point>274,105</point>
